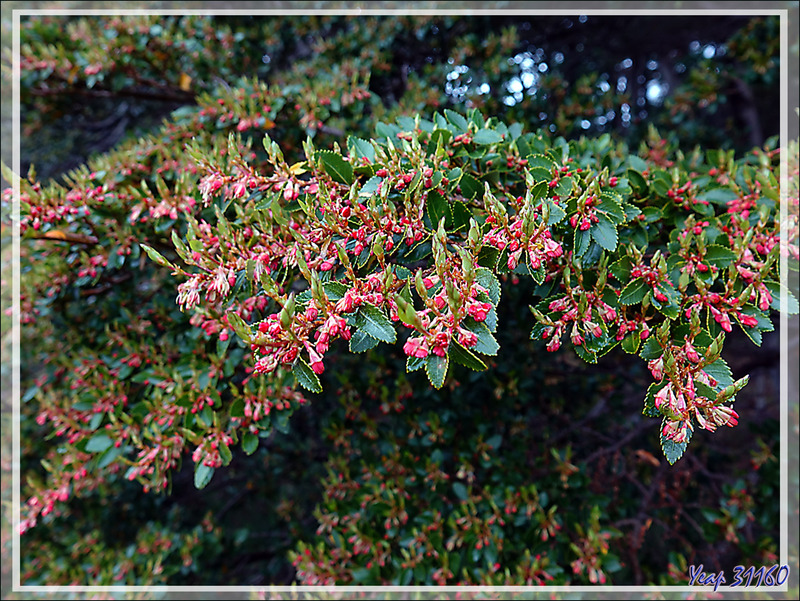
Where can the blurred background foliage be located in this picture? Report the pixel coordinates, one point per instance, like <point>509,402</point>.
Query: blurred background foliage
<point>379,453</point>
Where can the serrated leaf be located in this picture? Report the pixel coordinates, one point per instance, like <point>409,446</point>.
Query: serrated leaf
<point>649,409</point>
<point>605,233</point>
<point>611,204</point>
<point>470,187</point>
<point>361,342</point>
<point>775,289</point>
<point>720,371</point>
<point>465,357</point>
<point>306,377</point>
<point>202,475</point>
<point>581,242</point>
<point>651,349</point>
<point>461,216</point>
<point>634,292</point>
<point>372,320</point>
<point>414,364</point>
<point>487,345</point>
<point>673,450</point>
<point>719,256</point>
<point>557,214</point>
<point>436,368</point>
<point>360,148</point>
<point>334,165</point>
<point>631,343</point>
<point>370,187</point>
<point>334,290</point>
<point>621,269</point>
<point>249,443</point>
<point>487,136</point>
<point>438,207</point>
<point>585,354</point>
<point>488,280</point>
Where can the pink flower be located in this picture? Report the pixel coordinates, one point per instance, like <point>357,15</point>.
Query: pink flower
<point>416,347</point>
<point>691,352</point>
<point>656,367</point>
<point>747,320</point>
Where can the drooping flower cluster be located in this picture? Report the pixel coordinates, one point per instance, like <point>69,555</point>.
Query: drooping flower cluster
<point>688,393</point>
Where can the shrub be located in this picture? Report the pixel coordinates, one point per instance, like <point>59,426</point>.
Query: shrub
<point>218,279</point>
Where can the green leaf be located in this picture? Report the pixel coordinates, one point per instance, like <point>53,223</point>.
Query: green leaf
<point>720,371</point>
<point>585,354</point>
<point>436,368</point>
<point>611,203</point>
<point>673,450</point>
<point>631,343</point>
<point>763,324</point>
<point>360,148</point>
<point>651,349</point>
<point>465,357</point>
<point>649,409</point>
<point>237,408</point>
<point>461,216</point>
<point>240,327</point>
<point>621,269</point>
<point>202,475</point>
<point>370,187</point>
<point>718,195</point>
<point>334,290</point>
<point>156,256</point>
<point>249,443</point>
<point>634,292</point>
<point>225,453</point>
<point>98,443</point>
<point>637,181</point>
<point>775,289</point>
<point>488,280</point>
<point>704,390</point>
<point>438,207</point>
<point>439,134</point>
<point>470,187</point>
<point>581,242</point>
<point>361,342</point>
<point>414,364</point>
<point>557,214</point>
<point>605,233</point>
<point>334,165</point>
<point>719,256</point>
<point>487,136</point>
<point>487,345</point>
<point>460,490</point>
<point>108,457</point>
<point>372,320</point>
<point>306,377</point>
<point>459,121</point>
